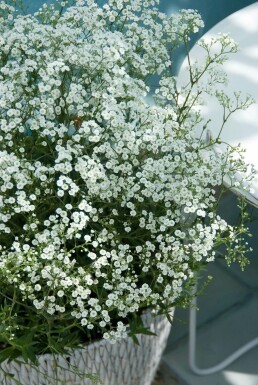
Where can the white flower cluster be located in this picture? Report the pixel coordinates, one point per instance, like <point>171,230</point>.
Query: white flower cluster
<point>99,189</point>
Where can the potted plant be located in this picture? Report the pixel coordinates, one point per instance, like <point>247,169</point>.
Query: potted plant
<point>107,201</point>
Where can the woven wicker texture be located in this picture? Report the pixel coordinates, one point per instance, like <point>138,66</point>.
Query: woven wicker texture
<point>123,363</point>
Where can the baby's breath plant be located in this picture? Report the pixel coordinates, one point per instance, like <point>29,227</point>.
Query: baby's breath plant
<point>108,202</point>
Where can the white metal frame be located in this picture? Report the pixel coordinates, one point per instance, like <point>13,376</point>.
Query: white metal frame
<point>192,347</point>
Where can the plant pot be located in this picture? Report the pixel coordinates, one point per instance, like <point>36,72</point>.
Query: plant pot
<point>122,363</point>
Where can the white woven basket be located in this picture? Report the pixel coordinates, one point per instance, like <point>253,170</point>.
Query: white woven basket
<point>123,363</point>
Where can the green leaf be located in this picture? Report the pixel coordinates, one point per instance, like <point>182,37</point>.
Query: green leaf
<point>9,354</point>
<point>135,339</point>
